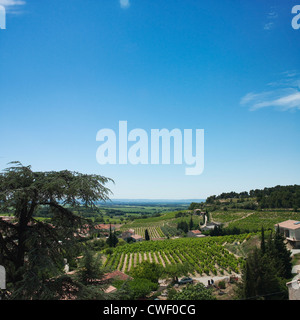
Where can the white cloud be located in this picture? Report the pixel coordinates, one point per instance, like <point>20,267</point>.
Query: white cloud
<point>271,17</point>
<point>12,6</point>
<point>8,3</point>
<point>285,95</point>
<point>269,26</point>
<point>124,4</point>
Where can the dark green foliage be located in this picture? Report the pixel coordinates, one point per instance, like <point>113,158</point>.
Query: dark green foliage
<point>42,245</point>
<point>262,243</point>
<point>147,237</point>
<point>90,268</point>
<point>266,270</point>
<point>112,239</point>
<point>194,292</point>
<point>137,288</point>
<point>147,270</point>
<point>260,278</point>
<point>275,197</point>
<point>278,251</point>
<point>170,231</point>
<point>173,271</point>
<point>183,226</point>
<point>191,224</point>
<point>195,205</point>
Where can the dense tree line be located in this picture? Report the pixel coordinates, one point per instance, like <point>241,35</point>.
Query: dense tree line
<point>267,270</point>
<point>275,197</point>
<point>278,197</point>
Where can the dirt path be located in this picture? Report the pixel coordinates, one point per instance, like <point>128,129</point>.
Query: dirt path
<point>150,257</point>
<point>205,279</point>
<point>166,258</point>
<point>130,261</point>
<point>119,265</point>
<point>244,217</point>
<point>155,257</point>
<point>124,265</point>
<point>162,260</point>
<point>135,260</point>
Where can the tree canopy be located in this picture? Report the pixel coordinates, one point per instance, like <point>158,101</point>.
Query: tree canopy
<point>32,249</point>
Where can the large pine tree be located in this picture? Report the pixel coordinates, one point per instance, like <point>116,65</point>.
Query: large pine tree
<point>32,251</point>
<point>266,269</point>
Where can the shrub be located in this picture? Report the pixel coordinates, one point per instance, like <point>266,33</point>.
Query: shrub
<point>222,284</point>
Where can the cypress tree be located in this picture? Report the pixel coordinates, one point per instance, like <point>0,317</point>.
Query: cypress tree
<point>283,256</point>
<point>262,244</point>
<point>191,224</point>
<point>112,239</point>
<point>147,237</point>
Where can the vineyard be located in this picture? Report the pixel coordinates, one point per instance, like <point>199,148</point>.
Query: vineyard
<point>161,227</point>
<point>267,219</point>
<point>155,232</point>
<point>206,255</point>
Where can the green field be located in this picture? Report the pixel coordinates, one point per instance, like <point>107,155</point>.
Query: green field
<point>267,219</point>
<point>207,255</point>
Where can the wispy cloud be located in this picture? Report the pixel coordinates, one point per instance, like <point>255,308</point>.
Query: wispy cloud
<point>124,4</point>
<point>12,6</point>
<point>271,18</point>
<point>283,94</point>
<point>269,26</point>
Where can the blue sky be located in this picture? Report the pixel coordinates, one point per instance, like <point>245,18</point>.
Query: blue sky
<point>70,68</point>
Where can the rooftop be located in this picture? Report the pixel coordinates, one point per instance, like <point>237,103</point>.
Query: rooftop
<point>136,236</point>
<point>116,275</point>
<point>104,226</point>
<point>289,224</point>
<point>196,231</point>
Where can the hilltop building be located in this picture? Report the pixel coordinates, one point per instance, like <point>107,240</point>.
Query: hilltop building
<point>290,229</point>
<point>130,235</point>
<point>195,234</point>
<point>210,226</point>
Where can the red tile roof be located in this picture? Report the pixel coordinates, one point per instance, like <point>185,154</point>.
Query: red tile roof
<point>196,231</point>
<point>104,226</point>
<point>116,275</point>
<point>289,224</point>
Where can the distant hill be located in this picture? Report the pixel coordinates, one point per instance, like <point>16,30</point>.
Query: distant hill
<point>151,201</point>
<point>274,197</point>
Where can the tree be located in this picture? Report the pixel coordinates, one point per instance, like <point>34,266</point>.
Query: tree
<point>147,270</point>
<point>174,271</point>
<point>44,245</point>
<point>147,237</point>
<point>191,223</point>
<point>183,226</point>
<point>259,278</point>
<point>90,268</point>
<point>112,239</point>
<point>194,292</point>
<point>137,288</point>
<point>262,243</point>
<point>278,251</point>
<point>266,269</point>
